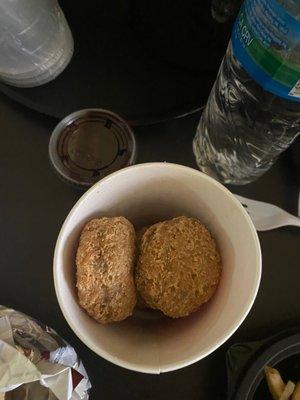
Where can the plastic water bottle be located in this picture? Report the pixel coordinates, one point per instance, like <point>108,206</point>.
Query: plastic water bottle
<point>36,43</point>
<point>253,111</point>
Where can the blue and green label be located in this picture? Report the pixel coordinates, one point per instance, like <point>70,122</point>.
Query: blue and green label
<point>266,41</point>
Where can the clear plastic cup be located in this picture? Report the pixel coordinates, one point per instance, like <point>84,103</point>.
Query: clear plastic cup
<point>36,43</point>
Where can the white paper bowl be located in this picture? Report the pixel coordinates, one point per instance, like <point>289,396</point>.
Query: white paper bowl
<point>147,193</point>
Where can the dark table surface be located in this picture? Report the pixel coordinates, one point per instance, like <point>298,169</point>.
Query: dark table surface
<point>34,204</point>
<point>145,60</point>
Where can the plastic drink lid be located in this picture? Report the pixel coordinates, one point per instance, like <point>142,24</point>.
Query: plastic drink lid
<point>90,144</point>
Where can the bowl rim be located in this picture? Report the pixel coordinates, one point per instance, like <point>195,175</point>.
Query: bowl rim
<point>200,355</point>
<point>248,373</point>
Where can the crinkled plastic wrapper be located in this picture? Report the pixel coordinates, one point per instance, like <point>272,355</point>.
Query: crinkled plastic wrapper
<point>36,363</point>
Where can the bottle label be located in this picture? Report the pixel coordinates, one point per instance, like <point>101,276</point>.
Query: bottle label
<point>266,41</point>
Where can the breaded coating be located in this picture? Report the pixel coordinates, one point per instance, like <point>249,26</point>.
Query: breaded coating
<point>179,266</point>
<point>140,302</point>
<point>105,263</point>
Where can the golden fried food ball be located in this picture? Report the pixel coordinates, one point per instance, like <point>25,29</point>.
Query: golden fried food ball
<point>105,262</point>
<point>179,266</point>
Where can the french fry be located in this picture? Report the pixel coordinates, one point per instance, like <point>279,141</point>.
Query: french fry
<point>288,391</point>
<point>296,392</point>
<point>275,383</point>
